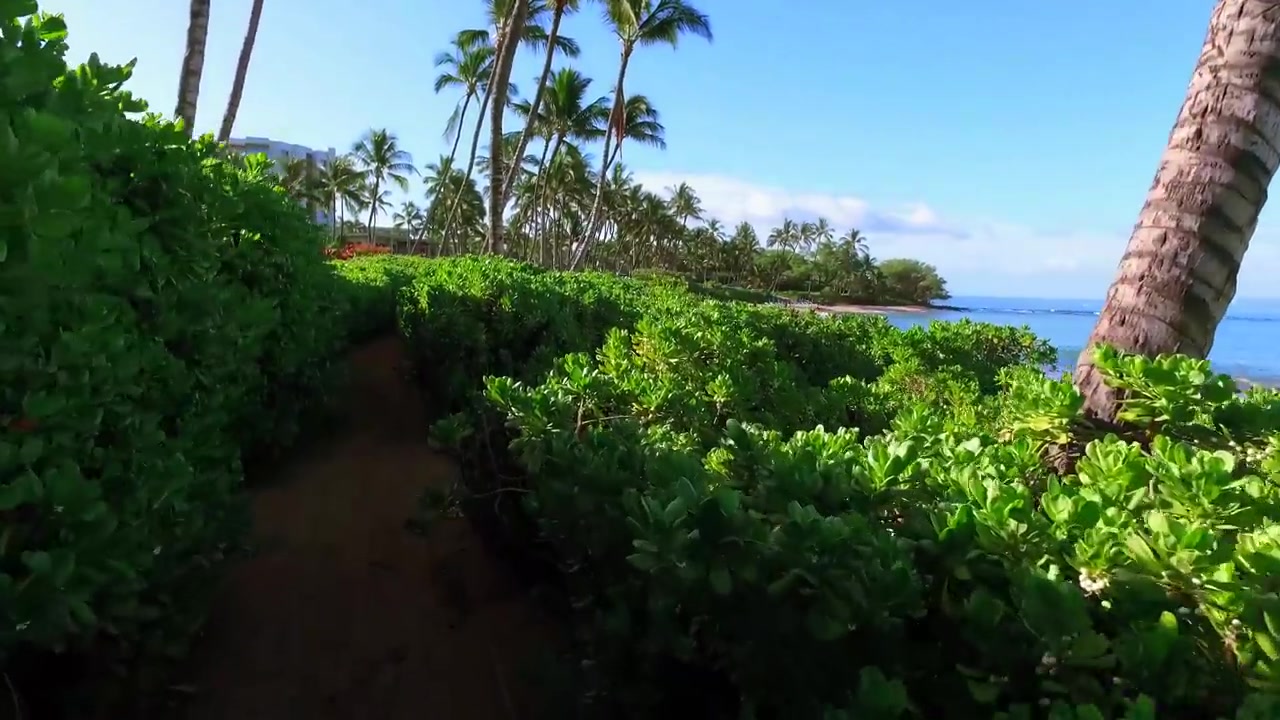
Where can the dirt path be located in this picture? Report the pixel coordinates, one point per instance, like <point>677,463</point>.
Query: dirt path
<point>346,614</point>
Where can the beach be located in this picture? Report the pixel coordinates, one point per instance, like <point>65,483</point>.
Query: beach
<point>863,309</point>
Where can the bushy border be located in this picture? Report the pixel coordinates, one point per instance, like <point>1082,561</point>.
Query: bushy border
<point>166,314</point>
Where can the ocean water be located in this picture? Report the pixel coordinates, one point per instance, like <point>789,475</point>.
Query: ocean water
<point>1247,345</point>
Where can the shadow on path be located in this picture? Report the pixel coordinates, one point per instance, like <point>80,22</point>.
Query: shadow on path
<point>344,613</point>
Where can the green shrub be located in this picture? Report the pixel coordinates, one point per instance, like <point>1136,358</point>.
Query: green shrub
<point>609,401</point>
<point>472,317</point>
<point>932,565</point>
<point>371,288</point>
<point>951,572</point>
<point>164,312</point>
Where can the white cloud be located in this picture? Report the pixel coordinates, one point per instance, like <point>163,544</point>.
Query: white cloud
<point>977,256</point>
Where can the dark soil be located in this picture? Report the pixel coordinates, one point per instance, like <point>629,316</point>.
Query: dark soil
<point>346,613</point>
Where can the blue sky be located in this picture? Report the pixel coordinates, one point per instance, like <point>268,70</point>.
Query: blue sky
<point>1008,142</point>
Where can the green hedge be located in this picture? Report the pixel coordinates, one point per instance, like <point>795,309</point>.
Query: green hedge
<point>605,391</point>
<point>677,480</point>
<point>163,312</point>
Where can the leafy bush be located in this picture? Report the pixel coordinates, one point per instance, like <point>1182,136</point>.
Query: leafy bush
<point>922,560</point>
<point>609,400</point>
<point>164,313</point>
<point>371,285</point>
<point>471,317</point>
<point>940,563</point>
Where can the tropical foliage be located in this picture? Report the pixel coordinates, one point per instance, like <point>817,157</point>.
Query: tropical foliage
<point>757,513</point>
<point>165,318</point>
<point>557,212</point>
<point>747,512</point>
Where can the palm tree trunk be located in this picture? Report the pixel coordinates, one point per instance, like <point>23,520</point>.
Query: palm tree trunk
<point>242,70</point>
<point>1178,273</point>
<point>192,65</point>
<point>457,137</point>
<point>471,162</point>
<point>530,125</point>
<point>615,122</point>
<point>373,208</point>
<point>500,81</point>
<point>540,185</point>
<point>536,191</point>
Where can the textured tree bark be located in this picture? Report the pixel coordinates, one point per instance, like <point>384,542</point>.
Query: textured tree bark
<point>192,65</point>
<point>242,71</point>
<point>508,41</point>
<point>1178,273</point>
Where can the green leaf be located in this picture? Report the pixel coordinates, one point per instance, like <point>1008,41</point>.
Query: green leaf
<point>643,561</point>
<point>1267,645</point>
<point>1141,553</point>
<point>729,499</point>
<point>721,581</point>
<point>38,562</point>
<point>674,511</point>
<point>26,488</point>
<point>984,692</point>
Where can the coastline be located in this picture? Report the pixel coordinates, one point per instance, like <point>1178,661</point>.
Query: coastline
<point>865,309</point>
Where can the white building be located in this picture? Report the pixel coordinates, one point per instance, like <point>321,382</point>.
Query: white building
<point>279,152</point>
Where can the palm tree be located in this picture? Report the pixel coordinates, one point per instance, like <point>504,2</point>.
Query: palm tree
<point>242,70</point>
<point>1178,273</point>
<point>379,156</point>
<point>192,65</point>
<point>560,8</point>
<point>505,51</point>
<point>640,22</point>
<point>300,179</point>
<point>786,238</point>
<point>822,231</point>
<point>468,69</point>
<point>444,183</point>
<point>338,187</point>
<point>412,219</point>
<point>378,202</point>
<point>565,116</point>
<point>638,122</point>
<point>529,32</point>
<point>856,241</point>
<point>685,203</point>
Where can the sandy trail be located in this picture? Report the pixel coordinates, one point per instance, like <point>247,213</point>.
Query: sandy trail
<point>344,613</point>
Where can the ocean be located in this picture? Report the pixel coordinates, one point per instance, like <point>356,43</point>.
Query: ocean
<point>1247,345</point>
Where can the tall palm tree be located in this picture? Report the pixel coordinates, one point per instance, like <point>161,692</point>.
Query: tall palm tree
<point>467,68</point>
<point>300,179</point>
<point>1178,273</point>
<point>685,203</point>
<point>338,186</point>
<point>638,122</point>
<point>565,116</point>
<point>822,230</point>
<point>192,65</point>
<point>504,56</point>
<point>559,8</point>
<point>242,71</point>
<point>412,219</point>
<point>856,241</point>
<point>379,156</point>
<point>531,35</point>
<point>636,23</point>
